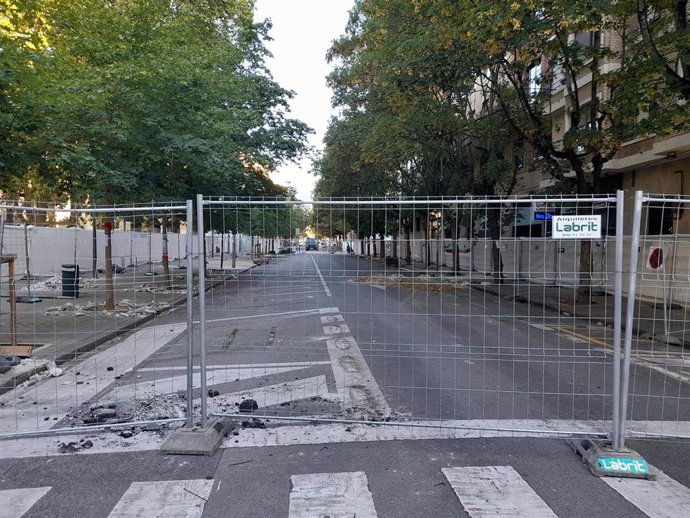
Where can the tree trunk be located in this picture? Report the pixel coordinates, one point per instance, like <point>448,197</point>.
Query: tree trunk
<point>495,235</point>
<point>585,282</point>
<point>109,287</point>
<point>166,263</point>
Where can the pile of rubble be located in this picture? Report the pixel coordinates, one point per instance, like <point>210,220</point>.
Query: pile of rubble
<point>156,288</point>
<point>422,282</point>
<point>124,308</point>
<point>164,406</point>
<point>55,283</point>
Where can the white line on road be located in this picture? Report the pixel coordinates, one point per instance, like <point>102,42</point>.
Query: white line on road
<point>496,491</point>
<point>316,311</point>
<point>16,502</point>
<point>660,498</point>
<point>164,498</point>
<point>331,494</point>
<point>36,407</point>
<point>236,366</point>
<point>356,385</point>
<point>148,389</point>
<point>336,329</point>
<point>270,395</point>
<point>323,281</point>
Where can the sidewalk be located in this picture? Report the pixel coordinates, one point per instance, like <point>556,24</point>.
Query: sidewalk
<point>61,328</point>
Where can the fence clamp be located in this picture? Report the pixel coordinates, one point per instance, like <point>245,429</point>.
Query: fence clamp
<point>604,461</point>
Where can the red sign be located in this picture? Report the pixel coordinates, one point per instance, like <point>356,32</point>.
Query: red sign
<point>656,258</point>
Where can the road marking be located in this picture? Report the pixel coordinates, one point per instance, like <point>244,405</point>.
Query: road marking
<point>270,395</point>
<point>147,389</point>
<point>315,311</point>
<point>323,281</point>
<point>16,502</point>
<point>357,388</point>
<point>496,491</point>
<point>236,366</point>
<point>330,319</point>
<point>164,498</point>
<point>634,357</point>
<point>660,498</point>
<point>584,338</point>
<point>336,329</point>
<point>542,327</point>
<point>331,494</point>
<point>35,408</point>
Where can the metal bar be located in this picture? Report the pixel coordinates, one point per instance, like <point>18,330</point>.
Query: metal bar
<point>202,304</point>
<point>630,313</point>
<point>86,429</point>
<point>104,210</point>
<point>617,317</point>
<point>189,247</point>
<point>407,424</point>
<point>423,202</point>
<point>13,303</point>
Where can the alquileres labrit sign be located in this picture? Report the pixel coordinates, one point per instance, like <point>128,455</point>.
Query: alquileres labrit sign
<point>576,227</point>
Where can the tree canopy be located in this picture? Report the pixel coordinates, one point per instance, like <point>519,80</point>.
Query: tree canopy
<point>459,96</point>
<point>139,100</point>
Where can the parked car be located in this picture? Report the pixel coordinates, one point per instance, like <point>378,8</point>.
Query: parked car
<point>311,244</point>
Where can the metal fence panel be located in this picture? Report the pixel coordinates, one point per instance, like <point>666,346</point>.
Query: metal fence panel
<point>658,400</point>
<point>63,301</point>
<point>460,312</point>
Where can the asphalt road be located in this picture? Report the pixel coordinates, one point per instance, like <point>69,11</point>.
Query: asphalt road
<point>461,383</point>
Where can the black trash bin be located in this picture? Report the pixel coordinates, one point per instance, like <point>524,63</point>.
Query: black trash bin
<point>70,280</point>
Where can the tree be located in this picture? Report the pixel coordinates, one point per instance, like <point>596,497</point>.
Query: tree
<point>138,100</point>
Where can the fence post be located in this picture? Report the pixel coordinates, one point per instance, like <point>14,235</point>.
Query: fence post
<point>202,304</point>
<point>630,313</point>
<point>189,246</point>
<point>617,317</point>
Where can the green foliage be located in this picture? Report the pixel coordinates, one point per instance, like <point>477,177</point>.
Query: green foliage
<point>457,95</point>
<point>139,100</point>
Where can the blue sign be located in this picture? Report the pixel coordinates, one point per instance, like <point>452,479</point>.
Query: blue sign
<point>542,216</point>
<point>622,465</point>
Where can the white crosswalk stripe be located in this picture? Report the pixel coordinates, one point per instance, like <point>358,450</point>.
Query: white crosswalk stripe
<point>331,494</point>
<point>16,502</point>
<point>164,498</point>
<point>487,491</point>
<point>483,491</point>
<point>660,498</point>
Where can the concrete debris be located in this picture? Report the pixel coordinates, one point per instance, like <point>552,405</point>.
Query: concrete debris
<point>124,308</point>
<point>166,406</point>
<point>54,283</point>
<point>53,370</point>
<point>254,423</point>
<point>248,405</point>
<point>156,288</point>
<point>73,447</point>
<point>421,282</point>
<point>7,362</point>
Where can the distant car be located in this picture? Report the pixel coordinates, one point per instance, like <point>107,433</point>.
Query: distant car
<point>311,244</point>
<point>286,250</point>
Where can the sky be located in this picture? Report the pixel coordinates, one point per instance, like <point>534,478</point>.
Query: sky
<point>302,34</point>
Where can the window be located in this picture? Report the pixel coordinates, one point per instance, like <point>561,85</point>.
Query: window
<point>534,78</point>
<point>587,38</point>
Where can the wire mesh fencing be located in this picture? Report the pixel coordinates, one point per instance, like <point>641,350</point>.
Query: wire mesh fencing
<point>461,312</point>
<point>658,399</point>
<point>74,279</point>
<point>486,313</point>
